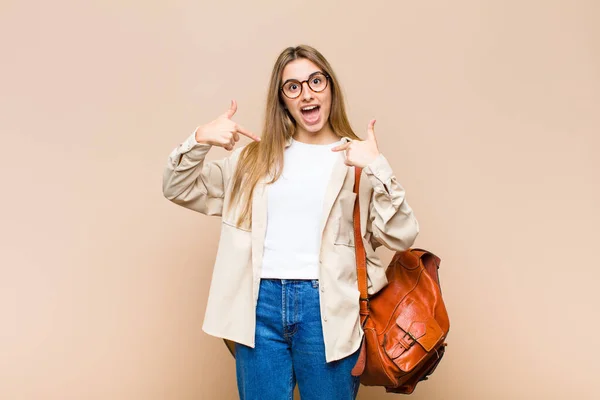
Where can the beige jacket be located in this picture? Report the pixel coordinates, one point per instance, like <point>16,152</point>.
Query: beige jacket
<point>386,219</point>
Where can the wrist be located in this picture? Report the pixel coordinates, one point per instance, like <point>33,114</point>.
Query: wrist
<point>198,135</point>
<point>373,157</point>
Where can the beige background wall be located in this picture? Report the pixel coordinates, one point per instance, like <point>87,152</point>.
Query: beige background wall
<point>487,110</point>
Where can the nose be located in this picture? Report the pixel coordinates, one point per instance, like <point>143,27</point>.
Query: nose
<point>306,92</point>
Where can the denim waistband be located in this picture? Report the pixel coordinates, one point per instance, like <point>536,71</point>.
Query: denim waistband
<point>286,282</point>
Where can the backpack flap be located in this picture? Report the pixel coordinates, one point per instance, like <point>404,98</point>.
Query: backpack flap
<point>412,327</point>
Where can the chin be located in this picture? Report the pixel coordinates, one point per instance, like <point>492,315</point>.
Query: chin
<point>314,128</point>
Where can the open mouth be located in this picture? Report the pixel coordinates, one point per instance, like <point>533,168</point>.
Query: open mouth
<point>310,114</point>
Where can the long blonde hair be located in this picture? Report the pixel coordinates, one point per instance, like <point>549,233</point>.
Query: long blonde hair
<point>259,159</point>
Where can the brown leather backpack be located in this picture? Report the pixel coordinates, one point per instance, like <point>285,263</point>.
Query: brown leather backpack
<point>405,323</point>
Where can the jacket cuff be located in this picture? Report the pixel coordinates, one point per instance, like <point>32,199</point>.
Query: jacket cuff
<point>193,147</point>
<point>192,150</point>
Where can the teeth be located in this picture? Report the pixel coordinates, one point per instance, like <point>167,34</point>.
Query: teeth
<point>309,108</point>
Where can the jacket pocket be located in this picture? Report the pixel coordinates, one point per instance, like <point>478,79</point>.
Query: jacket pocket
<point>344,232</point>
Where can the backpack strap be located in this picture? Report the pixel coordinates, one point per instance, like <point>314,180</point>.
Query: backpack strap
<point>361,273</point>
<point>361,256</point>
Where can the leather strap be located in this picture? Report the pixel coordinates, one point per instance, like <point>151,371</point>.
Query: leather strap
<point>361,273</point>
<point>361,256</point>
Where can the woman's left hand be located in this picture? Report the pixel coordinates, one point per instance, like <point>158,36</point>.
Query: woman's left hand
<point>360,153</point>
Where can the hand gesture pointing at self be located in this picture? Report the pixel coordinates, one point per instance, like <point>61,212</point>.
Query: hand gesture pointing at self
<point>360,153</point>
<point>223,131</point>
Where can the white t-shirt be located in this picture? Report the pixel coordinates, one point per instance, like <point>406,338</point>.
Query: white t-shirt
<point>294,212</point>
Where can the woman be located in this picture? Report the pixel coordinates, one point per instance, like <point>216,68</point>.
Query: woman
<point>284,285</point>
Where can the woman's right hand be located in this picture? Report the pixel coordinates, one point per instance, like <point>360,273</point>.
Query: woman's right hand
<point>223,131</point>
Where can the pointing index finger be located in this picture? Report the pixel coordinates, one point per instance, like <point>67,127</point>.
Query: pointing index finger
<point>247,133</point>
<point>341,147</point>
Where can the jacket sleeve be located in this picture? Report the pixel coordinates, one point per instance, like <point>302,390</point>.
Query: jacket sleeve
<point>391,220</point>
<point>191,182</point>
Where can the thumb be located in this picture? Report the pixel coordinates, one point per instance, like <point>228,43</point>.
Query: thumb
<point>371,130</point>
<point>232,109</point>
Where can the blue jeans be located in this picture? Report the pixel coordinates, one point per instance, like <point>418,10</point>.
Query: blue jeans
<point>289,348</point>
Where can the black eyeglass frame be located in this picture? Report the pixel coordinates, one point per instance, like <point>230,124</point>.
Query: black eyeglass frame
<point>301,83</point>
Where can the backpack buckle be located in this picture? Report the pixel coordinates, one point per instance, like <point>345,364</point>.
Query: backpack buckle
<point>368,300</point>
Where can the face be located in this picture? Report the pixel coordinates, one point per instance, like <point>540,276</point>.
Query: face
<point>310,109</point>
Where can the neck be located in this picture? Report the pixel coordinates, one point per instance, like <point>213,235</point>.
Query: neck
<point>324,136</point>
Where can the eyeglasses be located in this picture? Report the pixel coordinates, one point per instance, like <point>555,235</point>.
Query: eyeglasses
<point>317,82</point>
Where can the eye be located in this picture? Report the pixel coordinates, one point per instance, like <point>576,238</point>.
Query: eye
<point>292,87</point>
<point>316,81</point>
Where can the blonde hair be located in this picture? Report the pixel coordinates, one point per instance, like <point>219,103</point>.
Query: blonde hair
<point>259,159</point>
